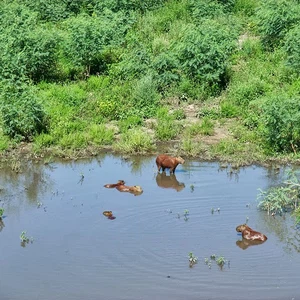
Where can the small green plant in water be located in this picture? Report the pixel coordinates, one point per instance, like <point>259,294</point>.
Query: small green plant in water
<point>280,199</point>
<point>221,261</point>
<point>186,214</point>
<point>1,212</point>
<point>213,256</point>
<point>192,188</point>
<point>25,239</point>
<point>192,259</point>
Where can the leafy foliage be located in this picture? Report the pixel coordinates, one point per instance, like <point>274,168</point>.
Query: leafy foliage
<point>275,18</point>
<point>135,141</point>
<point>203,52</point>
<point>282,123</point>
<point>292,48</point>
<point>89,36</point>
<point>27,48</point>
<point>22,115</point>
<point>281,198</point>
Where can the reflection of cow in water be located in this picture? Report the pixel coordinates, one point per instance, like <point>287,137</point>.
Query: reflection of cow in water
<point>169,182</point>
<point>244,244</point>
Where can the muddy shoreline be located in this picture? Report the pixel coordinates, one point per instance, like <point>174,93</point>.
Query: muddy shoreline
<point>25,152</point>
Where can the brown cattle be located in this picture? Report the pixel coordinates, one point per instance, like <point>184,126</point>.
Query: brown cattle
<point>250,234</point>
<point>168,162</point>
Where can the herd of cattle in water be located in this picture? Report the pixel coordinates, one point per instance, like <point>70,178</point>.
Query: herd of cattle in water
<point>163,162</point>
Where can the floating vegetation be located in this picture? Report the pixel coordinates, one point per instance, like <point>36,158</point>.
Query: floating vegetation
<point>213,210</point>
<point>278,200</point>
<point>25,239</point>
<point>192,259</point>
<point>219,260</point>
<point>192,187</point>
<point>1,212</point>
<point>186,214</point>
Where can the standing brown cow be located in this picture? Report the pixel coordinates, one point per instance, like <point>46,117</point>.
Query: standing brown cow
<point>168,162</point>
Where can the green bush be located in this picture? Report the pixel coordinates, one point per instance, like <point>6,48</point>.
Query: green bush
<point>88,38</point>
<point>275,18</point>
<point>127,5</point>
<point>26,47</point>
<point>204,52</point>
<point>135,141</point>
<point>281,117</point>
<point>22,115</point>
<point>205,9</point>
<point>145,97</point>
<point>165,66</point>
<point>247,7</point>
<point>292,48</point>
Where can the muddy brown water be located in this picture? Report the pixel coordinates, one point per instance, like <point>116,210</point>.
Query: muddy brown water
<point>78,253</point>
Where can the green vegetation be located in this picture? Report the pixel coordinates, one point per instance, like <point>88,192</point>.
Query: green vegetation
<point>1,212</point>
<point>25,239</point>
<point>283,198</point>
<point>79,75</point>
<point>192,259</point>
<point>220,261</point>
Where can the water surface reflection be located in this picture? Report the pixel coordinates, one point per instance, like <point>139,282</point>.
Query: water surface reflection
<point>169,181</point>
<point>143,253</point>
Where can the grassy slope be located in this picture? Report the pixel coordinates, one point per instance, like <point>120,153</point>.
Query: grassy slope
<point>106,111</point>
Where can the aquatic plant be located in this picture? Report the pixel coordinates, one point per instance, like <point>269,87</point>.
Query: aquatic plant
<point>192,187</point>
<point>215,210</point>
<point>281,198</point>
<point>24,238</point>
<point>1,212</point>
<point>192,259</point>
<point>220,261</point>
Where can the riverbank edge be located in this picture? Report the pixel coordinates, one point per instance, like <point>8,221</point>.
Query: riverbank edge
<point>25,152</point>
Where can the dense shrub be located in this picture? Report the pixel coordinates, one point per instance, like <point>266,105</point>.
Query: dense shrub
<point>202,8</point>
<point>204,52</point>
<point>22,115</point>
<point>274,19</point>
<point>281,117</point>
<point>292,48</point>
<point>145,97</point>
<point>26,47</point>
<point>247,7</point>
<point>89,37</point>
<point>126,5</point>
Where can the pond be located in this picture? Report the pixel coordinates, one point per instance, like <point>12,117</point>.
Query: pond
<point>75,252</point>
